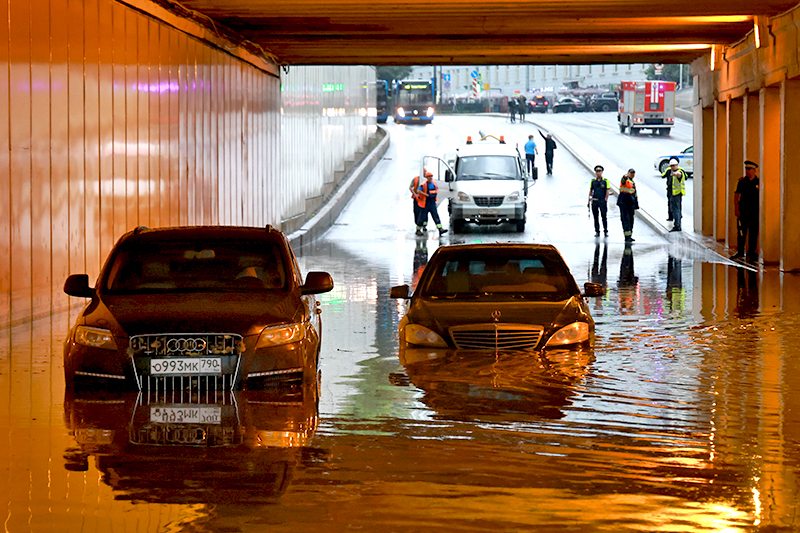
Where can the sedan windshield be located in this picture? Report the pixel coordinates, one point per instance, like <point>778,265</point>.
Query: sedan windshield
<point>541,277</point>
<point>488,167</point>
<point>228,266</point>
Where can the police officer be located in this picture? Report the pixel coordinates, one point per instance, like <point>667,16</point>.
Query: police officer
<point>598,200</point>
<point>745,202</point>
<point>628,203</point>
<point>426,198</point>
<point>676,189</point>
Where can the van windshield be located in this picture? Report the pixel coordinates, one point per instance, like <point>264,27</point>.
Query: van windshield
<point>492,167</point>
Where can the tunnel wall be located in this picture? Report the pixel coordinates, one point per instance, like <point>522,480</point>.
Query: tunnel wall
<point>747,107</point>
<point>115,116</point>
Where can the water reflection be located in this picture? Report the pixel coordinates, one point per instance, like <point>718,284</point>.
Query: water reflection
<point>628,282</point>
<point>239,447</point>
<point>746,293</point>
<point>676,294</point>
<point>463,384</point>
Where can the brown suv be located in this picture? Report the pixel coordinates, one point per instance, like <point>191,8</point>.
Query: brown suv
<point>199,308</point>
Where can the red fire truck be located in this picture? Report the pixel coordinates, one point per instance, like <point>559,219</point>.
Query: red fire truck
<point>647,105</point>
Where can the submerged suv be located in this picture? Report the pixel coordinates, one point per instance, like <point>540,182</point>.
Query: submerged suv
<point>488,184</point>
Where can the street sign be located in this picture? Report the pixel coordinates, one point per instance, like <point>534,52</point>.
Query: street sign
<point>446,77</point>
<point>475,74</point>
<point>447,84</point>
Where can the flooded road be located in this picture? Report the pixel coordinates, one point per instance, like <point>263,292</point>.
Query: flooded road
<point>684,416</point>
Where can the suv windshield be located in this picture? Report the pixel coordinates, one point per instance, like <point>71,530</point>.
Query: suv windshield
<point>539,276</point>
<point>483,167</point>
<point>196,266</point>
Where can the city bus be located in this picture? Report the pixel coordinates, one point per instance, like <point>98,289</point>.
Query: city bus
<point>382,102</point>
<point>413,100</point>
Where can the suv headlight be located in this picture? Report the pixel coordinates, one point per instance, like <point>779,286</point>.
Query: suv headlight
<point>95,337</point>
<point>462,197</point>
<point>278,335</point>
<point>575,332</point>
<point>422,336</point>
<point>513,197</point>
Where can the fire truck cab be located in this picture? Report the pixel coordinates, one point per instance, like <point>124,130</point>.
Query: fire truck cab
<point>647,105</point>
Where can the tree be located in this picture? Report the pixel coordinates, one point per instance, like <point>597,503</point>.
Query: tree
<point>392,73</point>
<point>670,72</point>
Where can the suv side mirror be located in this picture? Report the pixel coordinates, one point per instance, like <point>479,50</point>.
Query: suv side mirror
<point>316,283</point>
<point>593,289</point>
<point>78,285</point>
<point>401,291</point>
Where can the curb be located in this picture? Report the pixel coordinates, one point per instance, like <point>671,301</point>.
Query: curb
<point>314,228</point>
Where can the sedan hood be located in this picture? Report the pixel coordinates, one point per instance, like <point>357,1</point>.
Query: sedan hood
<point>196,313</point>
<point>450,313</point>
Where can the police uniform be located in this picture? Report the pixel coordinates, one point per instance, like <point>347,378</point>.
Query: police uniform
<point>746,197</point>
<point>598,193</point>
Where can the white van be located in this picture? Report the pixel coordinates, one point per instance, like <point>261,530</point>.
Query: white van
<point>487,183</point>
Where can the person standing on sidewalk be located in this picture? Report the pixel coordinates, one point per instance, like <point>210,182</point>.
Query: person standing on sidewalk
<point>413,187</point>
<point>598,200</point>
<point>628,203</point>
<point>512,109</point>
<point>745,203</point>
<point>676,189</point>
<point>530,156</point>
<point>522,107</point>
<point>426,197</point>
<point>549,146</point>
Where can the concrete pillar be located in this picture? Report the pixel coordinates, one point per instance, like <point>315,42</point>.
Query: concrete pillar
<point>735,164</point>
<point>720,158</point>
<point>703,169</point>
<point>770,175</point>
<point>790,176</point>
<point>752,127</point>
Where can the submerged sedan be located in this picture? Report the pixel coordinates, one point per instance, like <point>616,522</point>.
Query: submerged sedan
<point>501,296</point>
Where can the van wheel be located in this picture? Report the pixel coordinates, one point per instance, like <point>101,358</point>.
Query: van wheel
<point>520,226</point>
<point>457,226</point>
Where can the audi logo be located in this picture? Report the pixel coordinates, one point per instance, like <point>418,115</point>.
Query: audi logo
<point>186,345</point>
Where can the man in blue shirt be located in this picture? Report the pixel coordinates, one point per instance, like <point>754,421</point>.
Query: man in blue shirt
<point>598,200</point>
<point>530,154</point>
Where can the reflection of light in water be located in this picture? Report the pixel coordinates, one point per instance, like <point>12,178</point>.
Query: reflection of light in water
<point>756,503</point>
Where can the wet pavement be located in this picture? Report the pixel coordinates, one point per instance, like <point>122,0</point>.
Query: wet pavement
<point>684,417</point>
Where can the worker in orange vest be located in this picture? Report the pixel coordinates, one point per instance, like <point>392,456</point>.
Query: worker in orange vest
<point>415,183</point>
<point>628,203</point>
<point>426,199</point>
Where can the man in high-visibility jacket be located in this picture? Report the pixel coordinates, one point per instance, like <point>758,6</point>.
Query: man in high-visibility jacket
<point>426,198</point>
<point>415,183</point>
<point>628,203</point>
<point>676,189</point>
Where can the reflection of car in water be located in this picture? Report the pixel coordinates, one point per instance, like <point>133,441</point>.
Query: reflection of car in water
<point>500,296</point>
<point>237,447</point>
<point>464,383</point>
<point>215,307</point>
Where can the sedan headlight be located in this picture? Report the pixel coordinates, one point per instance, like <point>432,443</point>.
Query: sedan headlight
<point>278,335</point>
<point>429,112</point>
<point>401,112</point>
<point>575,332</point>
<point>95,337</point>
<point>513,197</point>
<point>422,336</point>
<point>463,197</point>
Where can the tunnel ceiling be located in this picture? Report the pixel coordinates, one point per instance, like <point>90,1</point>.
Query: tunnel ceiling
<point>418,32</point>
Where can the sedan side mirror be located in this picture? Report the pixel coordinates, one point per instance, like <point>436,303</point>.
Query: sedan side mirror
<point>316,283</point>
<point>78,285</point>
<point>401,291</point>
<point>593,289</point>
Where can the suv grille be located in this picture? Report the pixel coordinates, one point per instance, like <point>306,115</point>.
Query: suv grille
<point>488,201</point>
<point>187,361</point>
<point>496,337</point>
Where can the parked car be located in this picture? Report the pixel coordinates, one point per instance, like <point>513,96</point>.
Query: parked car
<point>499,296</point>
<point>604,102</point>
<point>568,104</point>
<point>539,104</point>
<point>200,308</point>
<point>685,161</point>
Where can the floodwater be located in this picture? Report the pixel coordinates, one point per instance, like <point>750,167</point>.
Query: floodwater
<point>684,417</point>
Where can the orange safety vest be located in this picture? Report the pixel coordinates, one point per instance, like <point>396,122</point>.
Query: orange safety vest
<point>424,187</point>
<point>627,186</point>
<point>416,186</point>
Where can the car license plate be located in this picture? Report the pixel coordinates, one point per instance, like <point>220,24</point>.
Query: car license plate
<point>185,415</point>
<point>489,212</point>
<point>185,366</point>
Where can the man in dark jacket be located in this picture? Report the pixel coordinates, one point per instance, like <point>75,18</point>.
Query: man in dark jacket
<point>549,146</point>
<point>628,203</point>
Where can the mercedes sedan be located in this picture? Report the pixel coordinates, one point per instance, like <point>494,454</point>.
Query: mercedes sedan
<point>500,296</point>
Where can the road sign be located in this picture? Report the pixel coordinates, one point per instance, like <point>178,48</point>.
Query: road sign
<point>446,84</point>
<point>446,78</point>
<point>475,74</point>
